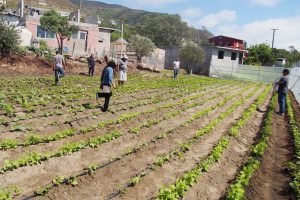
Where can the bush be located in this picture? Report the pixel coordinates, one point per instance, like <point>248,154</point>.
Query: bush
<point>9,40</point>
<point>192,55</point>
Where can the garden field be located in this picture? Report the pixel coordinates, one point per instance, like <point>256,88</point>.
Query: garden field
<point>190,138</point>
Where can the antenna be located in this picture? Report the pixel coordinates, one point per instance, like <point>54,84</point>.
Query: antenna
<point>80,4</point>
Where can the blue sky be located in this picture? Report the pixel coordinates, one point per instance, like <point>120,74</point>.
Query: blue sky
<point>250,20</point>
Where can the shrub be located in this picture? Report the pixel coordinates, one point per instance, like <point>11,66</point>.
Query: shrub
<point>9,40</point>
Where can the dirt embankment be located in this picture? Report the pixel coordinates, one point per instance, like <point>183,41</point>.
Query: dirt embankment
<point>32,66</point>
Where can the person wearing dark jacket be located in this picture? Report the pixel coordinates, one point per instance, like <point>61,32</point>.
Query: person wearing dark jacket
<point>107,82</point>
<point>283,90</point>
<point>91,63</point>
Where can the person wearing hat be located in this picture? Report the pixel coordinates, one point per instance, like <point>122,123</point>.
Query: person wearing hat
<point>123,69</point>
<point>106,83</point>
<point>283,90</point>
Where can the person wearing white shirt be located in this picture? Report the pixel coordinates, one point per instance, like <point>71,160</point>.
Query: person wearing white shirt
<point>176,67</point>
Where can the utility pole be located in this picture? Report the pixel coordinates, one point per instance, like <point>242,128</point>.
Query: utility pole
<point>80,4</point>
<point>122,34</point>
<point>274,30</point>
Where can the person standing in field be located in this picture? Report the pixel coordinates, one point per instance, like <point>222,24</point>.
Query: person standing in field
<point>91,64</point>
<point>176,67</point>
<point>283,90</point>
<point>107,83</point>
<point>123,70</point>
<point>59,67</point>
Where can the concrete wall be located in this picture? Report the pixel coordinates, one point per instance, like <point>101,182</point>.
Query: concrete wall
<point>203,69</point>
<point>156,60</point>
<point>105,36</point>
<point>227,62</point>
<point>96,42</point>
<point>25,36</point>
<point>171,55</point>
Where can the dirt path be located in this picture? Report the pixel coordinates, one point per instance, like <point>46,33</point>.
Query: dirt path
<point>272,179</point>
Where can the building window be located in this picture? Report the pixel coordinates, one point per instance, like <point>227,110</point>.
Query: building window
<point>42,33</point>
<point>221,55</point>
<point>220,44</point>
<point>75,35</point>
<point>82,35</point>
<point>233,56</point>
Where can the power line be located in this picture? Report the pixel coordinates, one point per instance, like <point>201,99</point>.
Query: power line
<point>274,30</point>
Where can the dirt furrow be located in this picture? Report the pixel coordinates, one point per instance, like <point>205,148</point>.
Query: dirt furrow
<point>68,121</point>
<point>130,165</point>
<point>46,147</point>
<point>149,186</point>
<point>49,124</point>
<point>271,181</point>
<point>214,184</point>
<point>71,164</point>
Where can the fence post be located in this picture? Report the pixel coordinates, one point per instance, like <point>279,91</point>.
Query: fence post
<point>259,72</point>
<point>232,70</point>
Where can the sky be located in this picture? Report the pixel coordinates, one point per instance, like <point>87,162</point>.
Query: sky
<point>249,20</point>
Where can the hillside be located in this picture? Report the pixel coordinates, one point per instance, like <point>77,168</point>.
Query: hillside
<point>94,8</point>
<point>94,11</point>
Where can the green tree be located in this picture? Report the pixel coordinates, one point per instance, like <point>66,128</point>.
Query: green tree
<point>9,40</point>
<point>260,54</point>
<point>128,31</point>
<point>293,57</point>
<point>199,36</point>
<point>54,22</point>
<point>143,46</point>
<point>191,55</point>
<point>163,29</point>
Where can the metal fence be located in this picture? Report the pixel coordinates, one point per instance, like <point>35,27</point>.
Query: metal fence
<point>295,82</point>
<point>257,73</point>
<point>247,72</point>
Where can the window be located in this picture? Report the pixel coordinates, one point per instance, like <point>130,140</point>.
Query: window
<point>233,56</point>
<point>42,33</point>
<point>82,35</point>
<point>221,55</point>
<point>75,35</point>
<point>221,44</point>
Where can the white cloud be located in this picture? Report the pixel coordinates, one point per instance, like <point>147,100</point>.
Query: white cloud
<point>265,2</point>
<point>191,13</point>
<point>260,32</point>
<point>215,19</point>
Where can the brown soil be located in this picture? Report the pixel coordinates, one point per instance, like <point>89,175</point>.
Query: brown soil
<point>32,66</point>
<point>213,184</point>
<point>271,181</point>
<point>149,186</point>
<point>68,165</point>
<point>15,153</point>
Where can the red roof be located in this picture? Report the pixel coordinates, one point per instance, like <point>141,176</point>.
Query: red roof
<point>226,37</point>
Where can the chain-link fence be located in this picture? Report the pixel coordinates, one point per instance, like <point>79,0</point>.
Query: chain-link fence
<point>257,73</point>
<point>247,72</point>
<point>295,82</point>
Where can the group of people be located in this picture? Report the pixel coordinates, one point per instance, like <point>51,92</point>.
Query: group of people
<point>107,75</point>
